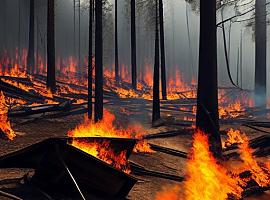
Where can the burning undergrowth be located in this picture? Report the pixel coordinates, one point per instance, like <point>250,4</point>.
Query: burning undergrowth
<point>5,126</point>
<point>208,179</point>
<point>107,128</point>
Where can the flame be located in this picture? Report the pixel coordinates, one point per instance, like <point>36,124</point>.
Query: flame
<point>103,152</point>
<point>206,179</point>
<point>178,88</point>
<point>260,172</point>
<point>106,128</point>
<point>233,110</point>
<point>168,193</point>
<point>5,125</point>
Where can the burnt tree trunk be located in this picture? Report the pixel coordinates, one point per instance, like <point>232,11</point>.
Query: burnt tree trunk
<point>31,40</point>
<point>156,100</point>
<point>50,47</point>
<point>4,20</point>
<point>80,68</point>
<point>19,32</point>
<point>260,53</point>
<point>116,43</point>
<point>162,51</point>
<point>133,44</point>
<point>207,118</point>
<point>98,62</point>
<point>90,63</point>
<point>74,26</point>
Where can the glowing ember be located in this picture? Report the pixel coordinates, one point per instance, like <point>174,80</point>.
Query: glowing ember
<point>5,126</point>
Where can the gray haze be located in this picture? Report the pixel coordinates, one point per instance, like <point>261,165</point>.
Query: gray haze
<point>180,54</point>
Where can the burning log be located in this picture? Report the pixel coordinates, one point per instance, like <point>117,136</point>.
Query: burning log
<point>10,89</point>
<point>51,159</point>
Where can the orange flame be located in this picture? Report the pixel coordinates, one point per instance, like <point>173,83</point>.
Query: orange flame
<point>5,125</point>
<point>106,128</point>
<point>168,193</point>
<point>260,172</point>
<point>233,110</point>
<point>206,179</point>
<point>103,152</point>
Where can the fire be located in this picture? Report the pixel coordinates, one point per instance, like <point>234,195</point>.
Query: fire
<point>206,179</point>
<point>5,125</point>
<point>233,110</point>
<point>106,128</point>
<point>104,153</point>
<point>169,193</point>
<point>260,171</point>
<point>178,88</point>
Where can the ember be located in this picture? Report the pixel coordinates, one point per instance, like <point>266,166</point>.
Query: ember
<point>5,125</point>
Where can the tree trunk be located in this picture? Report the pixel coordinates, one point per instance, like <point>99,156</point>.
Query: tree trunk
<point>156,100</point>
<point>162,49</point>
<point>37,42</point>
<point>50,47</point>
<point>19,32</point>
<point>133,44</point>
<point>79,48</point>
<point>31,40</point>
<point>116,43</point>
<point>98,63</point>
<point>260,53</point>
<point>207,118</point>
<point>4,20</point>
<point>74,26</point>
<point>90,64</point>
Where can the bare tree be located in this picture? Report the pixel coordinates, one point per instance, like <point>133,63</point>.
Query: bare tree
<point>207,118</point>
<point>156,100</point>
<point>116,43</point>
<point>162,49</point>
<point>260,53</point>
<point>90,56</point>
<point>51,84</point>
<point>31,43</point>
<point>98,62</point>
<point>133,44</point>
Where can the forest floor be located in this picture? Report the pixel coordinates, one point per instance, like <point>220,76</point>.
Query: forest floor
<point>147,187</point>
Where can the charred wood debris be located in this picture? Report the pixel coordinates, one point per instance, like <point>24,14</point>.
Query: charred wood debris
<point>58,173</point>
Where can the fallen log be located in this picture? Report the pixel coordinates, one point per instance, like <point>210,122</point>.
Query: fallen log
<point>168,134</point>
<point>7,88</point>
<point>140,170</point>
<point>169,151</point>
<point>27,111</point>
